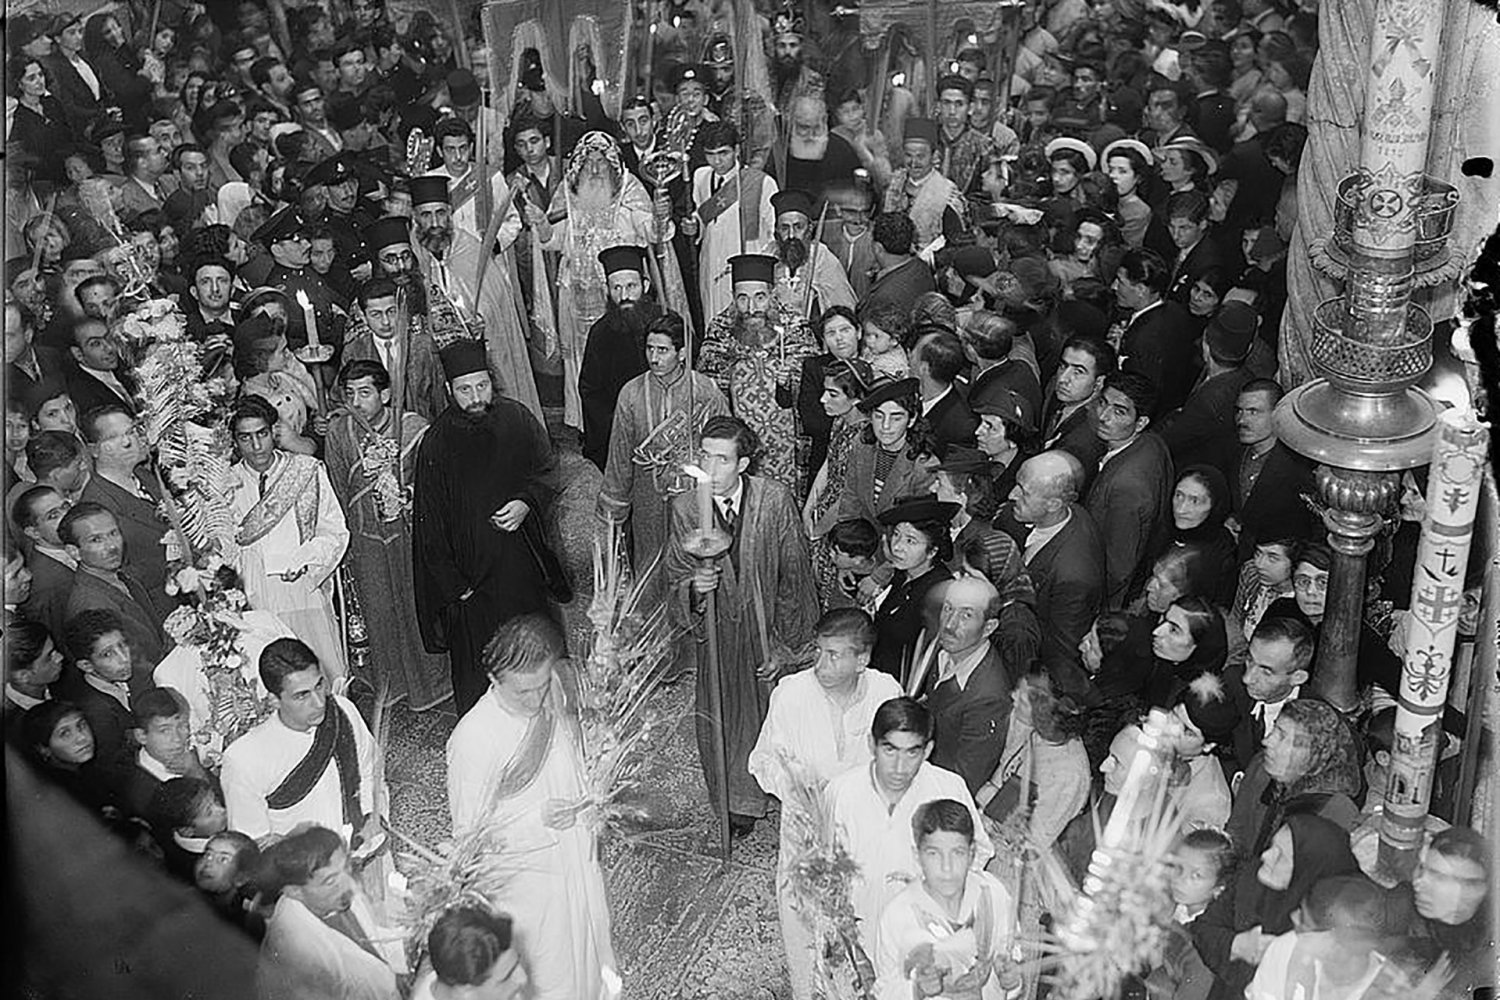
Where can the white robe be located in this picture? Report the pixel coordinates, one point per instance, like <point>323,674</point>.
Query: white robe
<point>556,890</point>
<point>303,958</point>
<point>258,762</point>
<point>880,840</point>
<point>912,919</point>
<point>719,240</point>
<point>304,604</point>
<point>806,725</point>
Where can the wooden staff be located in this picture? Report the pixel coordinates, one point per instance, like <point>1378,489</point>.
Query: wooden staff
<point>487,245</point>
<point>650,53</point>
<point>812,261</point>
<point>36,252</point>
<point>933,73</point>
<point>398,377</point>
<point>460,45</point>
<point>481,163</point>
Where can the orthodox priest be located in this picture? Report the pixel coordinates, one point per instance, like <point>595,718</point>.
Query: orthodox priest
<point>754,351</point>
<point>485,480</point>
<point>802,259</point>
<point>515,766</point>
<point>616,348</point>
<point>372,470</point>
<point>449,257</point>
<point>764,608</point>
<point>599,205</point>
<point>655,433</point>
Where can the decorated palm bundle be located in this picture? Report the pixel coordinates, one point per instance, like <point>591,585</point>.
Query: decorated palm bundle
<point>629,654</point>
<point>821,877</point>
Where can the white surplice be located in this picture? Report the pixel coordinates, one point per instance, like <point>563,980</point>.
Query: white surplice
<point>303,958</point>
<point>720,238</point>
<point>555,889</point>
<point>826,739</point>
<point>879,838</point>
<point>913,919</point>
<point>305,604</point>
<point>257,763</point>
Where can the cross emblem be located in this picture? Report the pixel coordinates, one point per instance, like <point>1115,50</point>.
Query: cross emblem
<point>1455,498</point>
<point>1438,601</point>
<point>1446,556</point>
<point>1385,203</point>
<point>1429,676</point>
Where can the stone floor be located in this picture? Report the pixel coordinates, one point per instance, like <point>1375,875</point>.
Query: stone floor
<point>685,926</point>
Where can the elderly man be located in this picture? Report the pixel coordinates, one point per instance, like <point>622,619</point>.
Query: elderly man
<point>450,259</point>
<point>602,206</point>
<point>485,478</point>
<point>616,348</point>
<point>118,447</point>
<point>809,278</point>
<point>556,887</point>
<point>1065,557</point>
<point>734,214</point>
<point>754,350</point>
<point>922,192</point>
<point>817,159</point>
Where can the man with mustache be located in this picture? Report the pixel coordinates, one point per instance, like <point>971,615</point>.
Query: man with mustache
<point>449,257</point>
<point>485,477</point>
<point>802,258</point>
<point>616,348</point>
<point>754,351</point>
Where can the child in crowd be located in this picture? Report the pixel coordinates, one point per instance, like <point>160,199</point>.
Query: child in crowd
<point>1205,865</point>
<point>1332,954</point>
<point>856,555</point>
<point>881,346</point>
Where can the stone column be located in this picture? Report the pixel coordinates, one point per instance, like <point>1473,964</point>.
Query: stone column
<point>1363,419</point>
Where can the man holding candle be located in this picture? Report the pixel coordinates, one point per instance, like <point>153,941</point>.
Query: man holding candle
<point>765,601</point>
<point>485,477</point>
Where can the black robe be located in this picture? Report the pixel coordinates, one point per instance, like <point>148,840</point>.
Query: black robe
<point>466,471</point>
<point>612,355</point>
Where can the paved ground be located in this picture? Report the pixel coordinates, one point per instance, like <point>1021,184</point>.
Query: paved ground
<point>684,926</point>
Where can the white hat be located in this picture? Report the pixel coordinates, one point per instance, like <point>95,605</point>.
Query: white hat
<point>283,128</point>
<point>1134,145</point>
<point>1078,146</point>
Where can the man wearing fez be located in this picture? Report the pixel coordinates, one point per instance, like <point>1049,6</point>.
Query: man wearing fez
<point>920,190</point>
<point>372,471</point>
<point>754,350</point>
<point>615,351</point>
<point>801,258</point>
<point>450,259</point>
<point>485,479</point>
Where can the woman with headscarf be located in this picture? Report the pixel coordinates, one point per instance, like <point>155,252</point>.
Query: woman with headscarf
<point>1188,642</point>
<point>1126,662</point>
<point>128,83</point>
<point>1232,934</point>
<point>1201,504</point>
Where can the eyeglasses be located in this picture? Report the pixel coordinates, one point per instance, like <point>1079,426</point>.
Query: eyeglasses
<point>1305,581</point>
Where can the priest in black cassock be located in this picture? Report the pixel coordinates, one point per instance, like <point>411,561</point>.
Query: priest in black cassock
<point>485,479</point>
<point>615,351</point>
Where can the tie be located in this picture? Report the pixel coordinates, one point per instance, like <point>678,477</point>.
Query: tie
<point>717,183</point>
<point>263,477</point>
<point>729,514</point>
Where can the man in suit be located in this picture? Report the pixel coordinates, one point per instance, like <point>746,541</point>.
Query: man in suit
<point>145,170</point>
<point>1198,254</point>
<point>1068,417</point>
<point>96,641</point>
<point>1268,478</point>
<point>1277,667</point>
<point>1131,497</point>
<point>26,363</point>
<point>970,691</point>
<point>1157,340</point>
<point>936,361</point>
<point>989,345</point>
<point>37,512</point>
<point>98,375</point>
<point>1064,556</point>
<point>1203,431</point>
<point>92,536</point>
<point>425,389</point>
<point>899,275</point>
<point>1211,72</point>
<point>118,447</point>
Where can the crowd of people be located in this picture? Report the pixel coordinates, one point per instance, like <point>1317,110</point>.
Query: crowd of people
<point>951,431</point>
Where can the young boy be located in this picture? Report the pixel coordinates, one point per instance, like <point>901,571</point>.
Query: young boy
<point>855,544</point>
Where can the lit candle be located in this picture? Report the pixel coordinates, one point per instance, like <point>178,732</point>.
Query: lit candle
<point>705,495</point>
<point>309,317</point>
<point>898,79</point>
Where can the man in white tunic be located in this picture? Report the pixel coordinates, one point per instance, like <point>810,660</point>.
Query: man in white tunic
<point>456,145</point>
<point>871,809</point>
<point>734,214</point>
<point>323,941</point>
<point>817,727</point>
<point>311,762</point>
<point>291,532</point>
<point>515,766</point>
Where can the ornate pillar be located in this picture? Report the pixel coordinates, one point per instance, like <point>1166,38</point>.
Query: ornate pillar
<point>1364,419</point>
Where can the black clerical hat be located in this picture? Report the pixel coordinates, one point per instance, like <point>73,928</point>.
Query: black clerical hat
<point>429,188</point>
<point>463,357</point>
<point>387,232</point>
<point>752,267</point>
<point>792,200</point>
<point>623,258</point>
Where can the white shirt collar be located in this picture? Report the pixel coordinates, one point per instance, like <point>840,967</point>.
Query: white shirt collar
<point>1039,537</point>
<point>153,767</point>
<point>735,497</point>
<point>25,701</point>
<point>61,555</point>
<point>1142,311</point>
<point>928,404</point>
<point>961,670</point>
<point>119,692</point>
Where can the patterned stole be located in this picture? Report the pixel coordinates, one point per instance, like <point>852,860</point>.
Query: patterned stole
<point>723,199</point>
<point>332,740</point>
<point>525,765</point>
<point>465,189</point>
<point>286,490</point>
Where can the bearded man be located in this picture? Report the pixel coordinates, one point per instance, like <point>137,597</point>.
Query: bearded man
<point>754,351</point>
<point>616,348</point>
<point>599,205</point>
<point>791,76</point>
<point>802,259</point>
<point>449,258</point>
<point>485,478</point>
<point>816,158</point>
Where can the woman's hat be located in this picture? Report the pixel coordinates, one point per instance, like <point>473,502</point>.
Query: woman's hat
<point>901,390</point>
<point>1192,144</point>
<point>1134,145</point>
<point>917,510</point>
<point>1078,146</point>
